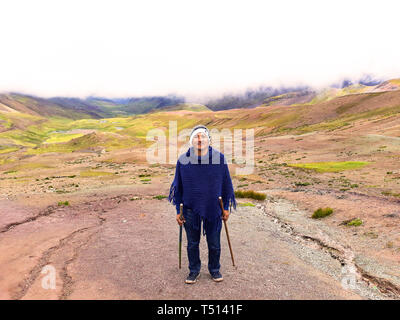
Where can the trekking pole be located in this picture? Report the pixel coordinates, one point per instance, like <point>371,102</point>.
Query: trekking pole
<point>226,230</point>
<point>180,235</point>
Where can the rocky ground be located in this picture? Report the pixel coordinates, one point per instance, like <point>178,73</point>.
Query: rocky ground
<point>116,244</point>
<point>117,237</point>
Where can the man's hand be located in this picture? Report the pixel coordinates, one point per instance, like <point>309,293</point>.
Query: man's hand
<point>180,222</point>
<point>225,215</point>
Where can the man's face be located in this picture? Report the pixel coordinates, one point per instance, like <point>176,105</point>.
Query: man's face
<point>200,141</point>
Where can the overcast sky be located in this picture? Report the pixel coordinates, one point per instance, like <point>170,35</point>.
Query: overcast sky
<point>192,48</point>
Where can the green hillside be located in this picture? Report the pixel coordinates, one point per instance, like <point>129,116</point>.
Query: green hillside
<point>23,131</point>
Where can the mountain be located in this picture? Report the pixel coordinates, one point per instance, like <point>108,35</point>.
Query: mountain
<point>366,80</point>
<point>54,107</point>
<point>389,85</point>
<point>119,106</point>
<point>94,107</point>
<point>32,125</point>
<point>146,104</point>
<point>76,108</point>
<point>21,111</point>
<point>251,98</point>
<point>194,107</point>
<point>291,98</point>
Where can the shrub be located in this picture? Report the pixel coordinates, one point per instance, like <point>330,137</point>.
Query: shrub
<point>355,222</point>
<point>299,184</point>
<point>322,212</point>
<point>250,194</point>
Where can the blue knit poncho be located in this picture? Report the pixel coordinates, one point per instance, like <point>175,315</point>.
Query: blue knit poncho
<point>198,182</point>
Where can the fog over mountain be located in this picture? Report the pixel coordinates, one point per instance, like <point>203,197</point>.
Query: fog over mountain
<point>202,52</point>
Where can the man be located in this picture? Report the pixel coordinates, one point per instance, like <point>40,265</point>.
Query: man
<point>201,176</point>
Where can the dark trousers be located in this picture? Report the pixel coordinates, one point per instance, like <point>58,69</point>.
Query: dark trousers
<point>193,242</point>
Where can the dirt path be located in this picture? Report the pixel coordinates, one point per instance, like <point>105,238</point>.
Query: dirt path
<point>107,246</point>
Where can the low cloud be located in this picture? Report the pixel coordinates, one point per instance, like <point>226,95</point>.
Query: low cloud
<point>190,48</point>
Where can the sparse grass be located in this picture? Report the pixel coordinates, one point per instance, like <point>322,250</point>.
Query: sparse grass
<point>104,139</point>
<point>6,160</point>
<point>330,166</point>
<point>328,126</point>
<point>250,194</point>
<point>8,149</point>
<point>389,245</point>
<point>160,197</point>
<point>355,222</point>
<point>62,137</point>
<point>246,204</point>
<point>370,234</point>
<point>322,213</point>
<point>341,122</point>
<point>347,106</point>
<point>89,173</point>
<point>395,81</point>
<point>390,193</point>
<point>10,171</point>
<point>63,203</point>
<point>62,191</point>
<point>25,138</point>
<point>30,166</point>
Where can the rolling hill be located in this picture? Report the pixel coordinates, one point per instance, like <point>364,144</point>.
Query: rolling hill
<point>32,125</point>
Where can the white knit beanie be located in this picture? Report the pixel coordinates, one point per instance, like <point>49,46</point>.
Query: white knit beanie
<point>196,130</point>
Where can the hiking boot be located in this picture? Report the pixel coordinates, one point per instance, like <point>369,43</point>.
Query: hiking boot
<point>192,277</point>
<point>217,276</point>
